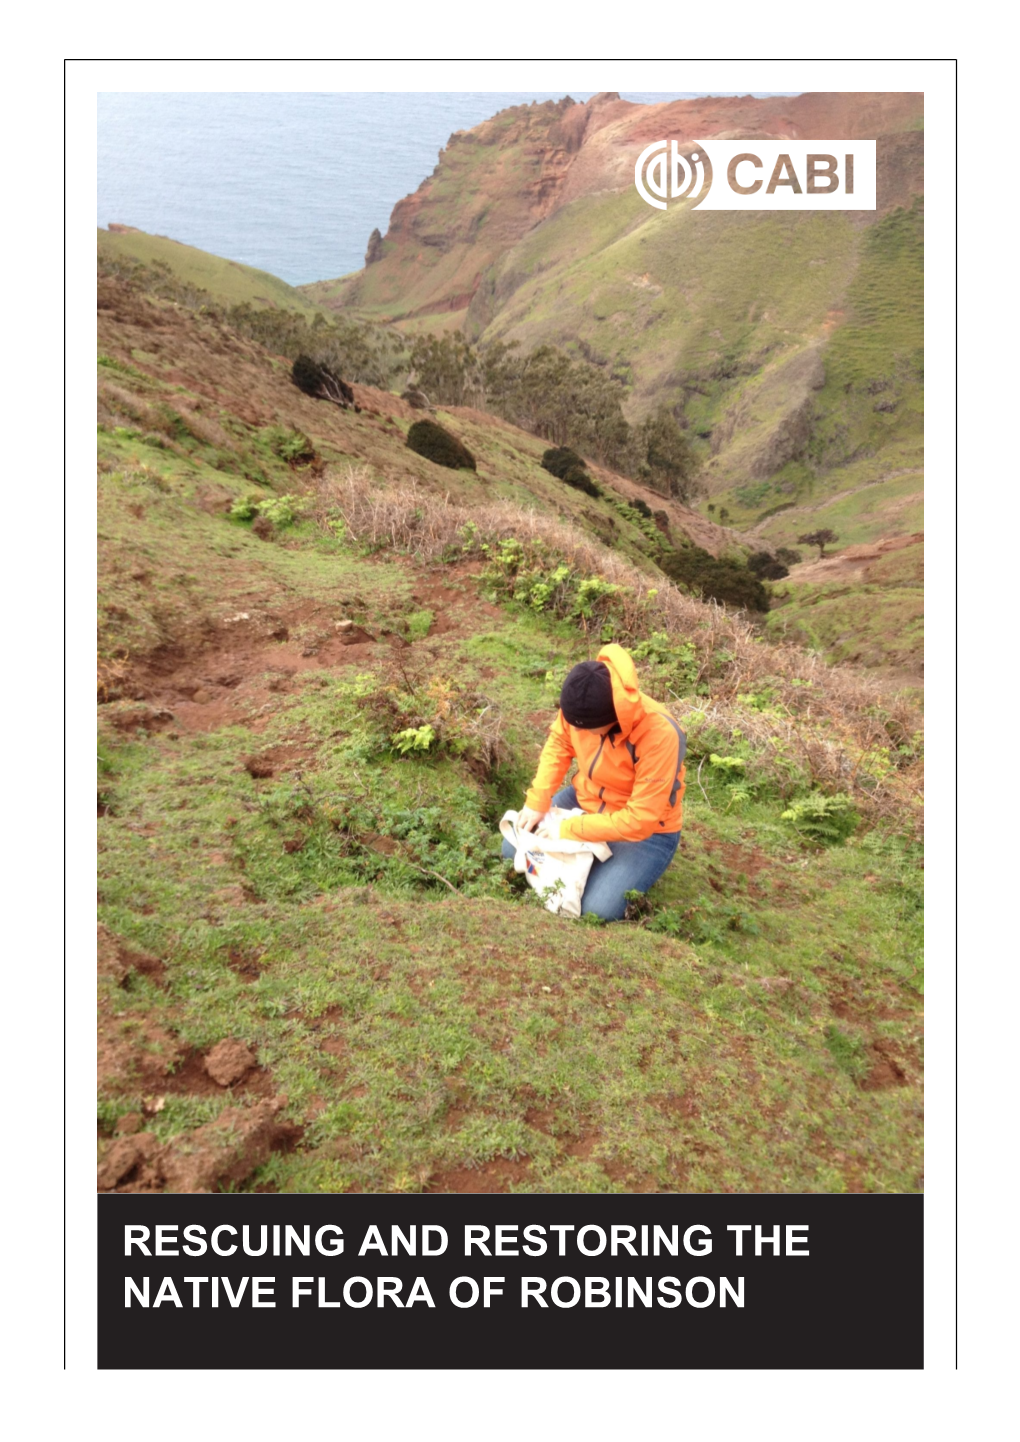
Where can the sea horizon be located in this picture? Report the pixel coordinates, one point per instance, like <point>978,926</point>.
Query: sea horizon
<point>292,183</point>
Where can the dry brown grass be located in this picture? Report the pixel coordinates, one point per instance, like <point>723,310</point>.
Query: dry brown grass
<point>836,751</point>
<point>111,673</point>
<point>835,725</point>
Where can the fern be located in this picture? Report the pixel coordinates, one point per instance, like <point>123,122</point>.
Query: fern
<point>827,820</point>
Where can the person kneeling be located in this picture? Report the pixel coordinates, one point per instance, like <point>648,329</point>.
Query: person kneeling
<point>629,781</point>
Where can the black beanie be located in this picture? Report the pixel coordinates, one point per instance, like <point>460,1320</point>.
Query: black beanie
<point>587,696</point>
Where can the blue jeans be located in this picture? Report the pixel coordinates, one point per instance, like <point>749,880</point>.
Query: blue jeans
<point>633,866</point>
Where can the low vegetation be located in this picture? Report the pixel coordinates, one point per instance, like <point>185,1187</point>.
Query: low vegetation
<point>305,748</point>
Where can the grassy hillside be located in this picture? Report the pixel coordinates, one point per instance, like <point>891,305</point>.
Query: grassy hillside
<point>790,344</point>
<point>868,611</point>
<point>893,506</point>
<point>228,282</point>
<point>279,872</point>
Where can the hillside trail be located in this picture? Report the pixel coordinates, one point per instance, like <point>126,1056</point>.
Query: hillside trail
<point>852,563</point>
<point>827,501</point>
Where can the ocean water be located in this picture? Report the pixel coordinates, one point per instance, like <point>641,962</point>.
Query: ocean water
<point>291,182</point>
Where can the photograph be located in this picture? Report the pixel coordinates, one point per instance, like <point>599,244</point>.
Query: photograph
<point>510,681</point>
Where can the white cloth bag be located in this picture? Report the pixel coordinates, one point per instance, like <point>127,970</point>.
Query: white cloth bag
<point>558,870</point>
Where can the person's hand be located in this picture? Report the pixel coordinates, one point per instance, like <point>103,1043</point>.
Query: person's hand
<point>528,820</point>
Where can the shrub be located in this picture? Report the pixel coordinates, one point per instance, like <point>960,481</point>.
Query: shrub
<point>766,567</point>
<point>675,660</point>
<point>581,481</point>
<point>275,510</point>
<point>722,580</point>
<point>642,507</point>
<point>635,516</point>
<point>423,714</point>
<point>431,440</point>
<point>728,765</point>
<point>567,466</point>
<point>281,510</point>
<point>788,556</point>
<point>413,738</point>
<point>316,379</point>
<point>561,459</point>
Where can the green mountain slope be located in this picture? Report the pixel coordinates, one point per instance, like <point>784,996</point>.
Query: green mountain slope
<point>228,282</point>
<point>315,973</point>
<point>789,345</point>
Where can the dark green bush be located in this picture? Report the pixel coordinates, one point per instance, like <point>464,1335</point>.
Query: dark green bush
<point>561,459</point>
<point>766,567</point>
<point>581,481</point>
<point>429,439</point>
<point>642,507</point>
<point>316,379</point>
<point>567,466</point>
<point>723,580</point>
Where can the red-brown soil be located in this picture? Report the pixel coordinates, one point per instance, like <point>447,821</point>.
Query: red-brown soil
<point>853,562</point>
<point>208,1159</point>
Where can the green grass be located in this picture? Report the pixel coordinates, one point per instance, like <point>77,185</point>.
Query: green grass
<point>227,281</point>
<point>878,624</point>
<point>169,564</point>
<point>872,509</point>
<point>875,361</point>
<point>418,1035</point>
<point>877,620</point>
<point>425,1039</point>
<point>793,342</point>
<point>348,915</point>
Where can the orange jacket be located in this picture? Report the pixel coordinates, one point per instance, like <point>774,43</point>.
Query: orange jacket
<point>630,782</point>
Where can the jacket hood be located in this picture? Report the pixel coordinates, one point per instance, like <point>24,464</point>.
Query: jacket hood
<point>626,695</point>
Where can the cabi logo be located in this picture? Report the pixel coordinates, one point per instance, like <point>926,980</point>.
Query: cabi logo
<point>687,178</point>
<point>760,175</point>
